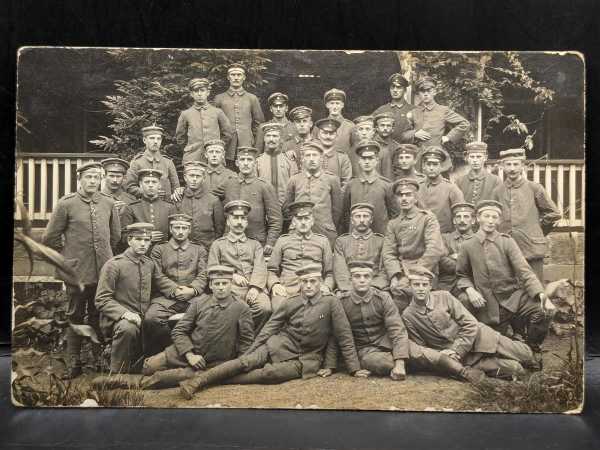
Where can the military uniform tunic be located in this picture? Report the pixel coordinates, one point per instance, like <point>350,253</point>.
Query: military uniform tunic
<point>155,211</point>
<point>401,122</point>
<point>147,160</point>
<point>199,124</point>
<point>216,178</point>
<point>120,195</point>
<point>276,169</point>
<point>353,246</point>
<point>435,119</point>
<point>293,149</point>
<point>323,189</point>
<point>478,187</point>
<point>453,242</point>
<point>439,196</point>
<point>385,166</point>
<point>337,163</point>
<point>208,219</point>
<point>375,190</point>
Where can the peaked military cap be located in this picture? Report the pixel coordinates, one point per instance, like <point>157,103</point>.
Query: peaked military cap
<point>361,207</point>
<point>416,272</point>
<point>425,83</point>
<point>300,112</point>
<point>237,206</point>
<point>334,94</point>
<point>493,205</point>
<point>360,266</point>
<point>236,67</point>
<point>142,173</point>
<point>312,145</point>
<point>476,147</point>
<point>271,126</point>
<point>435,153</point>
<point>277,98</point>
<point>89,166</point>
<point>405,184</point>
<point>407,149</point>
<point>361,119</point>
<point>463,207</point>
<point>191,165</point>
<point>328,124</point>
<point>180,217</point>
<point>512,153</point>
<point>302,208</point>
<point>220,272</point>
<point>309,271</point>
<point>115,165</point>
<point>398,78</point>
<point>247,151</point>
<point>196,83</point>
<point>142,229</point>
<point>384,116</point>
<point>367,146</point>
<point>214,142</point>
<point>153,129</point>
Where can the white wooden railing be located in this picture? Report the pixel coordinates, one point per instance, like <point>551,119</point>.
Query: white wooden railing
<point>42,178</point>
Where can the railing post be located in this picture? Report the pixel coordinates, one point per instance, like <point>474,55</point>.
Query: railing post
<point>560,191</point>
<point>19,185</point>
<point>572,197</point>
<point>43,188</point>
<point>67,176</point>
<point>30,186</point>
<point>55,185</point>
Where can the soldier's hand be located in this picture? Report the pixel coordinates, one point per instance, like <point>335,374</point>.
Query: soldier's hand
<point>454,256</point>
<point>547,305</point>
<point>157,236</point>
<point>445,140</point>
<point>197,362</point>
<point>451,353</point>
<point>268,250</point>
<point>184,293</point>
<point>119,204</point>
<point>279,290</point>
<point>251,295</point>
<point>177,194</point>
<point>324,372</point>
<point>398,373</point>
<point>476,298</point>
<point>362,373</point>
<point>132,317</point>
<point>240,280</point>
<point>422,135</point>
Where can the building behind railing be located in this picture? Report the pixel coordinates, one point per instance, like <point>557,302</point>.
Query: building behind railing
<point>43,178</point>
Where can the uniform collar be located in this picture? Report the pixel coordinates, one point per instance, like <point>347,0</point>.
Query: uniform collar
<point>340,118</point>
<point>316,175</point>
<point>148,200</point>
<point>310,301</point>
<point>246,180</point>
<point>457,236</point>
<point>435,182</point>
<point>130,254</point>
<point>218,169</point>
<point>233,92</point>
<point>429,107</point>
<point>177,246</point>
<point>374,177</point>
<point>409,215</point>
<point>398,105</point>
<point>201,107</point>
<point>357,299</point>
<point>422,309</point>
<point>473,176</point>
<point>107,191</point>
<point>516,184</point>
<point>308,236</point>
<point>223,304</point>
<point>152,156</point>
<point>299,140</point>
<point>481,236</point>
<point>93,199</point>
<point>235,238</point>
<point>195,194</point>
<point>364,236</point>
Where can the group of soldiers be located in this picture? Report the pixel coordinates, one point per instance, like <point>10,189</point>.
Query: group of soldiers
<point>333,237</point>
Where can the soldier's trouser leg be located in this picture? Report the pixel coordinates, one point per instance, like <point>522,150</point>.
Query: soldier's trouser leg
<point>378,363</point>
<point>126,347</point>
<point>292,287</point>
<point>531,314</point>
<point>271,373</point>
<point>80,305</point>
<point>261,307</point>
<point>425,358</point>
<point>257,358</point>
<point>157,333</point>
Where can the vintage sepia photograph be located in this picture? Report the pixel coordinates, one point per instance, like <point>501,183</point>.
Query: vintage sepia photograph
<point>299,229</point>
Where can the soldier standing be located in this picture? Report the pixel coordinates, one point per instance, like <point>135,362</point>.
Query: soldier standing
<point>293,342</point>
<point>528,211</point>
<point>214,329</point>
<point>152,158</point>
<point>319,187</point>
<point>294,250</point>
<point>370,187</point>
<point>185,264</point>
<point>412,238</point>
<point>265,220</point>
<point>245,256</point>
<point>216,174</point>
<point>335,100</point>
<point>243,110</point>
<point>360,244</point>
<point>364,130</point>
<point>114,174</point>
<point>477,184</point>
<point>379,334</point>
<point>438,194</point>
<point>206,210</point>
<point>273,165</point>
<point>384,126</point>
<point>398,108</point>
<point>85,228</point>
<point>200,123</point>
<point>278,104</point>
<point>123,297</point>
<point>301,117</point>
<point>334,161</point>
<point>499,283</point>
<point>150,208</point>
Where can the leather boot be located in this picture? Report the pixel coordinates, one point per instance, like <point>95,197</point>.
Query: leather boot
<point>74,355</point>
<point>221,372</point>
<point>456,369</point>
<point>169,378</point>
